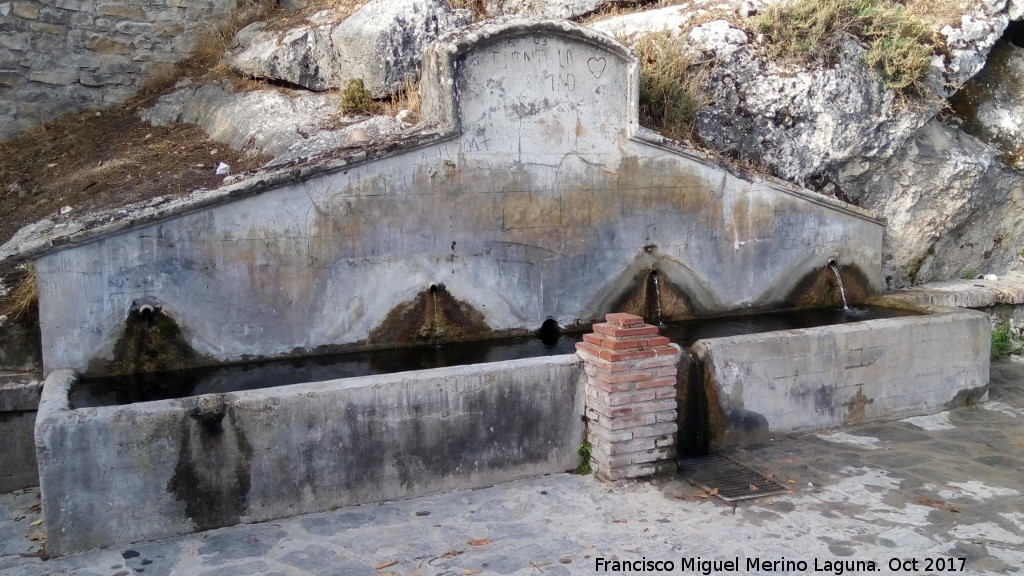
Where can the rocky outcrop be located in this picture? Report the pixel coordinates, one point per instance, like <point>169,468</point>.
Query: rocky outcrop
<point>550,8</point>
<point>381,44</point>
<point>286,125</point>
<point>992,103</point>
<point>805,122</point>
<point>952,207</point>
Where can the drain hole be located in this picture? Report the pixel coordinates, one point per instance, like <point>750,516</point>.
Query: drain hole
<point>728,479</point>
<point>549,332</point>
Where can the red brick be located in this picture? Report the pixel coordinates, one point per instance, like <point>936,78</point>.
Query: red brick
<point>666,416</point>
<point>646,407</point>
<point>666,382</point>
<point>659,341</point>
<point>617,332</point>
<point>648,363</point>
<point>659,430</point>
<point>592,360</point>
<point>600,433</point>
<point>594,339</point>
<point>612,449</point>
<point>630,421</point>
<point>624,398</point>
<point>661,393</point>
<point>628,355</point>
<point>616,378</point>
<point>624,343</point>
<point>609,386</point>
<point>624,320</point>
<point>666,351</point>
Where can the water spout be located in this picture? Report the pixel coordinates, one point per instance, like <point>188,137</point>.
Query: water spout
<point>842,291</point>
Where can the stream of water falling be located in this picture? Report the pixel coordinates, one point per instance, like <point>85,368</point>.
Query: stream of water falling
<point>435,336</point>
<point>657,297</point>
<point>839,278</point>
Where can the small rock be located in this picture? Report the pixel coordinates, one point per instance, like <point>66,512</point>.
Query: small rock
<point>358,135</point>
<point>405,116</point>
<point>222,169</point>
<point>65,210</point>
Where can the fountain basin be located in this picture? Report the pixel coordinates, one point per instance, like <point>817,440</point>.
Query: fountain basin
<point>745,388</point>
<point>124,473</point>
<point>118,474</point>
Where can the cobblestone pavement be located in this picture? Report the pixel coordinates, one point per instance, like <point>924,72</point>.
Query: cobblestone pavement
<point>907,497</point>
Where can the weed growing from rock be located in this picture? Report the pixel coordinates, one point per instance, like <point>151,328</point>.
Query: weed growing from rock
<point>1002,342</point>
<point>670,85</point>
<point>584,453</point>
<point>898,46</point>
<point>356,99</point>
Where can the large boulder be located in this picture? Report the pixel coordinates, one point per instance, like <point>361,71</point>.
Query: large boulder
<point>550,8</point>
<point>951,206</point>
<point>285,125</point>
<point>381,44</point>
<point>992,103</point>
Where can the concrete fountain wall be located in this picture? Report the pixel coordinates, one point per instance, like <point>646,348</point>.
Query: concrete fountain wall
<point>537,196</point>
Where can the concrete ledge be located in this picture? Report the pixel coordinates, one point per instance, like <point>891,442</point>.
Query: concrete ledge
<point>120,474</point>
<point>965,293</point>
<point>792,380</point>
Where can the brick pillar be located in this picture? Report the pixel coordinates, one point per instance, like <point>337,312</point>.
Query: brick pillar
<point>630,396</point>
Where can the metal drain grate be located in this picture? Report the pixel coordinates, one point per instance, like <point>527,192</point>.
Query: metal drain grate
<point>727,478</point>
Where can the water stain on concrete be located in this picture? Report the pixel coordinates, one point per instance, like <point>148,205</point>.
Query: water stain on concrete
<point>433,315</point>
<point>151,342</point>
<point>212,474</point>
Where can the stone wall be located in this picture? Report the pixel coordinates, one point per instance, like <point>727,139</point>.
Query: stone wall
<point>58,56</point>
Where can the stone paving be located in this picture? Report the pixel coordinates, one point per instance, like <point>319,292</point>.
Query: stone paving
<point>906,497</point>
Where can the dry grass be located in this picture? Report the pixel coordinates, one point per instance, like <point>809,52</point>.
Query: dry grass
<point>936,14</point>
<point>23,298</point>
<point>899,46</point>
<point>671,85</point>
<point>407,98</point>
<point>477,7</point>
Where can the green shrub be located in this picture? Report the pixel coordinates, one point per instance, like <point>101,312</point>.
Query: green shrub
<point>1002,343</point>
<point>356,99</point>
<point>898,46</point>
<point>584,453</point>
<point>670,85</point>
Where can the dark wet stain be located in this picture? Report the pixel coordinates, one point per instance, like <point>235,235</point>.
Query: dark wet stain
<point>820,288</point>
<point>824,400</point>
<point>433,315</point>
<point>129,554</point>
<point>150,342</point>
<point>744,426</point>
<point>856,407</point>
<point>967,397</point>
<point>784,506</point>
<point>656,298</point>
<point>694,434</point>
<point>212,473</point>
